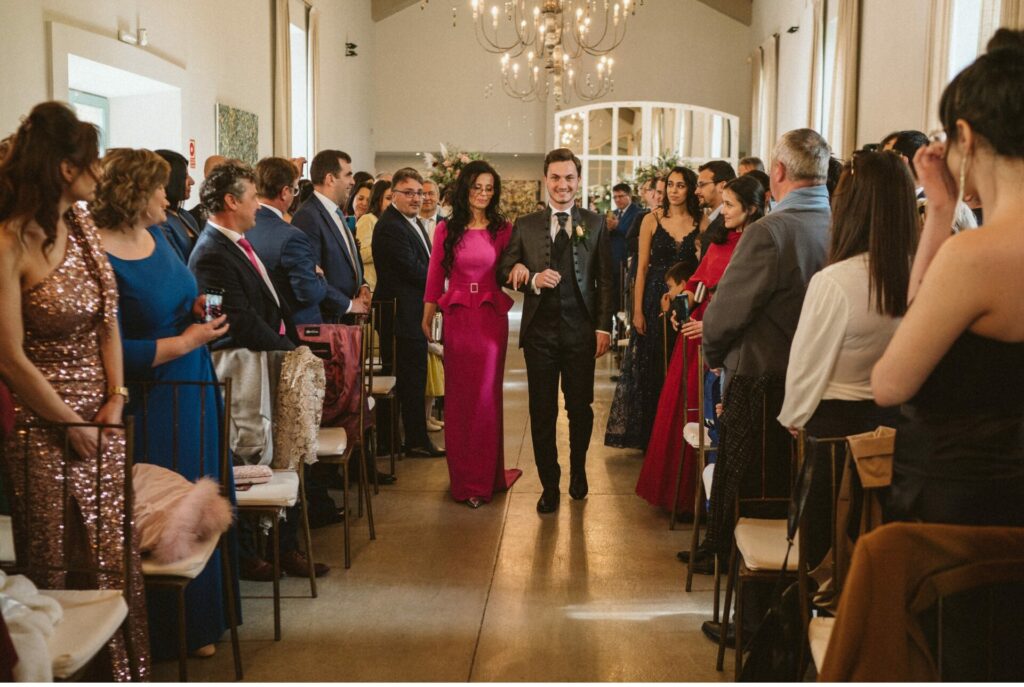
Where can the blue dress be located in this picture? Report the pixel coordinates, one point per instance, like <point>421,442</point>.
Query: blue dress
<point>155,297</point>
<point>179,229</point>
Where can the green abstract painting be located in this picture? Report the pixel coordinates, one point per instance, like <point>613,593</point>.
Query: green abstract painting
<point>237,134</point>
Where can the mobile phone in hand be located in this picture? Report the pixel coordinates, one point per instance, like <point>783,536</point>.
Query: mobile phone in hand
<point>681,306</point>
<point>214,303</point>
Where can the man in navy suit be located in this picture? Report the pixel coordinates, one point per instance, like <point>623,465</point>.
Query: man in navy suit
<point>285,250</point>
<point>620,223</point>
<point>334,246</point>
<point>401,252</point>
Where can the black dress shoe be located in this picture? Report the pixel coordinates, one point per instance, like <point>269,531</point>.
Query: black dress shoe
<point>325,518</point>
<point>713,631</point>
<point>385,478</point>
<point>684,556</point>
<point>578,487</point>
<point>428,451</point>
<point>548,502</point>
<point>703,566</point>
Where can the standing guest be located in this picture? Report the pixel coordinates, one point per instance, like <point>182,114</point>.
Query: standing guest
<point>401,251</point>
<point>429,215</point>
<point>429,218</point>
<point>562,261</point>
<point>668,235</point>
<point>906,144</point>
<point>60,355</point>
<point>380,199</point>
<point>179,227</point>
<point>200,213</point>
<point>748,165</point>
<point>334,247</point>
<point>465,256</point>
<point>159,303</point>
<point>653,195</point>
<point>765,182</point>
<point>835,170</point>
<point>956,361</point>
<point>358,205</point>
<point>711,180</point>
<point>620,222</point>
<point>286,251</point>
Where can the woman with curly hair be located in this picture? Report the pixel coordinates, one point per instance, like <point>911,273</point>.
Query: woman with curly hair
<point>467,247</point>
<point>164,341</point>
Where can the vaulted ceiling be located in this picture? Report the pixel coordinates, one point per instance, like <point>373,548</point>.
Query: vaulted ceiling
<point>740,10</point>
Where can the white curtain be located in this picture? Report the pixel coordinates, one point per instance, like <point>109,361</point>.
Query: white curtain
<point>817,65</point>
<point>769,96</point>
<point>282,80</point>
<point>1012,14</point>
<point>941,24</point>
<point>756,115</point>
<point>842,124</point>
<point>313,56</point>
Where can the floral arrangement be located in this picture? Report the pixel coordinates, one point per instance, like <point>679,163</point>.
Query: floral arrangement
<point>661,166</point>
<point>443,168</point>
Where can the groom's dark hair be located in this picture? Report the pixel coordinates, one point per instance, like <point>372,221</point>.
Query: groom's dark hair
<point>562,155</point>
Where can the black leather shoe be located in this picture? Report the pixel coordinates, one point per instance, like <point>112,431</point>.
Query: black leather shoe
<point>428,451</point>
<point>703,566</point>
<point>385,478</point>
<point>325,518</point>
<point>713,631</point>
<point>578,487</point>
<point>548,502</point>
<point>684,556</point>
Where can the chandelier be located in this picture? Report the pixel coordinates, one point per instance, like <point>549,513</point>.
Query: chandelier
<point>543,44</point>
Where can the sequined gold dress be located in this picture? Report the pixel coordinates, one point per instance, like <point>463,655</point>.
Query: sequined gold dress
<point>64,317</point>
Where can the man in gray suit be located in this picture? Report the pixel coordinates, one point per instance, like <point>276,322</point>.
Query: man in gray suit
<point>561,259</point>
<point>749,326</point>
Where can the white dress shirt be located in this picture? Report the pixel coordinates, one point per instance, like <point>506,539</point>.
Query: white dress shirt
<point>416,230</point>
<point>713,215</point>
<point>839,339</point>
<point>234,237</point>
<point>429,224</point>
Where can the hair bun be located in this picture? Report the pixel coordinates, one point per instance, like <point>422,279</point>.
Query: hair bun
<point>1006,39</point>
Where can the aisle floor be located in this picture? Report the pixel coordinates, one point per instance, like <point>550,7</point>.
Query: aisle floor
<point>446,593</point>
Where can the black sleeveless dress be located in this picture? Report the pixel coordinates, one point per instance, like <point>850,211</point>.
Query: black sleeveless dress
<point>960,444</point>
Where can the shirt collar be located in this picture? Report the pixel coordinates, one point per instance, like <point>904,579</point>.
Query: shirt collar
<point>234,236</point>
<point>331,206</point>
<point>277,212</point>
<point>805,198</point>
<point>715,213</point>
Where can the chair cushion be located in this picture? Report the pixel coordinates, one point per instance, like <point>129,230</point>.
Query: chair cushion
<point>692,438</point>
<point>187,567</point>
<point>708,477</point>
<point>282,490</point>
<point>6,539</point>
<point>90,618</point>
<point>818,634</point>
<point>371,403</point>
<point>331,441</point>
<point>762,543</point>
<point>383,385</point>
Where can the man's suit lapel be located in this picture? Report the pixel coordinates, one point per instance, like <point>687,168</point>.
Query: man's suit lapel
<point>235,253</point>
<point>333,230</point>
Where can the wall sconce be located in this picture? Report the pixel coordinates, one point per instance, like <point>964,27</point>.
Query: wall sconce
<point>140,39</point>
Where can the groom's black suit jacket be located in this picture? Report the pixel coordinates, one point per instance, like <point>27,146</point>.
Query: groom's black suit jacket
<point>531,245</point>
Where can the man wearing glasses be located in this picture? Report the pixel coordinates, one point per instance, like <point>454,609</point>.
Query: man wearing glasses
<point>401,251</point>
<point>711,183</point>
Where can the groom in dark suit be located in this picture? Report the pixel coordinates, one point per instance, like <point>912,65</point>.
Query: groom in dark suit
<point>561,259</point>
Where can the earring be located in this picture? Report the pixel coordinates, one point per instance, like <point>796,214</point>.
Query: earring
<point>963,175</point>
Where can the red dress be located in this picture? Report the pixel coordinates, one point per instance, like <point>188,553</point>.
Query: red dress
<point>657,482</point>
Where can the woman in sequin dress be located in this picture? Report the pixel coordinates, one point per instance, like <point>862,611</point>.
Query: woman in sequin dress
<point>60,353</point>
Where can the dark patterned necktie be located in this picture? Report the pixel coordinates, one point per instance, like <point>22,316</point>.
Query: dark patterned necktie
<point>562,238</point>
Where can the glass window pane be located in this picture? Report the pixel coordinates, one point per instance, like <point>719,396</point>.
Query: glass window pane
<point>625,170</point>
<point>600,134</point>
<point>699,140</point>
<point>665,125</point>
<point>630,125</point>
<point>599,185</point>
<point>570,132</point>
<point>299,95</point>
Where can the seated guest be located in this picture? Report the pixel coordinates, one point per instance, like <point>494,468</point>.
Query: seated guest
<point>748,165</point>
<point>380,199</point>
<point>159,303</point>
<point>334,247</point>
<point>956,361</point>
<point>179,228</point>
<point>286,251</point>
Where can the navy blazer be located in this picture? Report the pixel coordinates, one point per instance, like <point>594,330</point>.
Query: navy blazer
<point>331,254</point>
<point>253,315</point>
<point>288,256</point>
<point>617,236</point>
<point>401,261</point>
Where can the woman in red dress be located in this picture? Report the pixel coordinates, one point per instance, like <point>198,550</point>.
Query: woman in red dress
<point>742,204</point>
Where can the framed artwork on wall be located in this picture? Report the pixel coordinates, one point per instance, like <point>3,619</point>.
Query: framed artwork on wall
<point>237,134</point>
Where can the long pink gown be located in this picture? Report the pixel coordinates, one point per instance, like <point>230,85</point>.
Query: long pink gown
<point>475,340</point>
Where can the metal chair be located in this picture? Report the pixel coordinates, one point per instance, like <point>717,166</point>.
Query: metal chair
<point>179,574</point>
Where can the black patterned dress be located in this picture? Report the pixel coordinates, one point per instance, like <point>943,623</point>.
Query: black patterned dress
<point>636,396</point>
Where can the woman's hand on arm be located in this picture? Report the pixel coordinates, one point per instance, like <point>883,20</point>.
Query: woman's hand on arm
<point>941,190</point>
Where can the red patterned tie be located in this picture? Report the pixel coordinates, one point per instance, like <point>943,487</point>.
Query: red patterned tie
<point>251,254</point>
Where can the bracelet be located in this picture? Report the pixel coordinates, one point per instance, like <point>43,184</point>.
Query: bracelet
<point>118,391</point>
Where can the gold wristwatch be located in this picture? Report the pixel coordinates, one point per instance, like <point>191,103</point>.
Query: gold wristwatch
<point>118,391</point>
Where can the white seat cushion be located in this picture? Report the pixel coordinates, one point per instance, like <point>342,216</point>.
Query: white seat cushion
<point>282,490</point>
<point>708,476</point>
<point>762,543</point>
<point>6,539</point>
<point>383,385</point>
<point>331,441</point>
<point>188,567</point>
<point>91,617</point>
<point>371,403</point>
<point>818,634</point>
<point>692,438</point>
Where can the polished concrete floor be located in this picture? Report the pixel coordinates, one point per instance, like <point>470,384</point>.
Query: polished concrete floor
<point>591,593</point>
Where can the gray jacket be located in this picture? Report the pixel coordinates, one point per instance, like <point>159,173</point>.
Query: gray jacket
<point>750,323</point>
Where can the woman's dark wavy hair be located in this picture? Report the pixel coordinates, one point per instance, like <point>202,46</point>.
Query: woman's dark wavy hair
<point>175,187</point>
<point>692,201</point>
<point>350,204</point>
<point>749,191</point>
<point>380,187</point>
<point>989,95</point>
<point>458,223</point>
<point>874,211</point>
<point>30,180</point>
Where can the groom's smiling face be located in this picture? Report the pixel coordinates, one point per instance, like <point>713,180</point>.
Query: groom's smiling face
<point>562,182</point>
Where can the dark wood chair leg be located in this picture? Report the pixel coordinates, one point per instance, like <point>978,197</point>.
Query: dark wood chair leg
<point>307,535</point>
<point>182,641</point>
<point>275,536</point>
<point>366,455</point>
<point>229,589</point>
<point>346,526</point>
<point>724,622</point>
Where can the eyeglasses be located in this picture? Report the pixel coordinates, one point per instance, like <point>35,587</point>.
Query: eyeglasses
<point>481,190</point>
<point>702,184</point>
<point>408,193</point>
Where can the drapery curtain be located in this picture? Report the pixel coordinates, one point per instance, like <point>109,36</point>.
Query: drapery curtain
<point>938,60</point>
<point>755,102</point>
<point>765,63</point>
<point>817,65</point>
<point>842,124</point>
<point>282,80</point>
<point>1012,14</point>
<point>313,55</point>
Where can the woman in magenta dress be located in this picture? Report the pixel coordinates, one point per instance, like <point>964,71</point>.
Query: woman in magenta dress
<point>461,281</point>
<point>743,203</point>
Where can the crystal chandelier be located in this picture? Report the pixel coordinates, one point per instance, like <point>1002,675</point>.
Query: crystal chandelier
<point>543,43</point>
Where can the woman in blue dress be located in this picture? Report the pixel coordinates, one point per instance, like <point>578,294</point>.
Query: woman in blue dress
<point>162,343</point>
<point>178,226</point>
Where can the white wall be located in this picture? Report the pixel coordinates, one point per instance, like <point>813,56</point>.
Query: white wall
<point>509,166</point>
<point>146,121</point>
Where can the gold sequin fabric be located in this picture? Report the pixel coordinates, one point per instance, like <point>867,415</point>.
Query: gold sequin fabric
<point>64,318</point>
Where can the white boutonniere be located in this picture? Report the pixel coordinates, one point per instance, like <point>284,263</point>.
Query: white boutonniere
<point>581,234</point>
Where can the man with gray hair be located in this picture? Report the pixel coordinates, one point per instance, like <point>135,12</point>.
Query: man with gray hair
<point>749,325</point>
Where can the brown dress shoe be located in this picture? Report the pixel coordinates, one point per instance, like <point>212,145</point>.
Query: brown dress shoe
<point>296,564</point>
<point>255,569</point>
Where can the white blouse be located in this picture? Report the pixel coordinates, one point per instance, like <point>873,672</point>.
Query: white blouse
<point>839,339</point>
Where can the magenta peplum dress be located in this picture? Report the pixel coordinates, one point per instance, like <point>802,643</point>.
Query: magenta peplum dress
<point>475,341</point>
